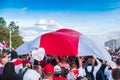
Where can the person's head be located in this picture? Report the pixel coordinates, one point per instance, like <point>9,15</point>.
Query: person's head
<point>116,74</point>
<point>26,63</point>
<point>3,58</point>
<point>90,61</point>
<point>71,58</point>
<point>57,70</point>
<point>118,62</point>
<point>63,58</point>
<point>48,71</point>
<point>14,55</point>
<point>12,49</point>
<point>73,65</point>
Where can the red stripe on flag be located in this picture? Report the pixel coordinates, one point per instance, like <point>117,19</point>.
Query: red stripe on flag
<point>17,62</point>
<point>63,42</point>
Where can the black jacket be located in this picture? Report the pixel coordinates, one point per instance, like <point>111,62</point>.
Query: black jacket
<point>9,72</point>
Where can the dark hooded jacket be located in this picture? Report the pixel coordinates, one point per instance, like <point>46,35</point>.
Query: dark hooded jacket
<point>9,72</point>
<point>14,55</point>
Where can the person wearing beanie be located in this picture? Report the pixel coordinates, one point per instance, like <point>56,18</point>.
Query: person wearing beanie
<point>57,73</point>
<point>48,72</point>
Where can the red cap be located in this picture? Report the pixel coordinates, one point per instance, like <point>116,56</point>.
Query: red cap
<point>26,61</point>
<point>49,68</point>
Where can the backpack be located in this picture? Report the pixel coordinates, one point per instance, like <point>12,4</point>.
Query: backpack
<point>21,74</point>
<point>100,75</point>
<point>102,68</point>
<point>89,75</point>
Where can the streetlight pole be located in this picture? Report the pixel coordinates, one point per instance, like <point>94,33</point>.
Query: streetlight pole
<point>10,39</point>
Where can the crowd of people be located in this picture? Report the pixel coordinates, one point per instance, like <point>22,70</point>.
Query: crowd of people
<point>14,67</point>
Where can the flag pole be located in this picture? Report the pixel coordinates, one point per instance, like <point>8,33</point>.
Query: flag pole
<point>10,39</point>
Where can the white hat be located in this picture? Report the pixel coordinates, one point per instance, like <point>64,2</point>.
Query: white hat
<point>57,70</point>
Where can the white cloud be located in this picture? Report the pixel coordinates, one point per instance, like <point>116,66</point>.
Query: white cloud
<point>42,26</point>
<point>42,22</point>
<point>48,25</point>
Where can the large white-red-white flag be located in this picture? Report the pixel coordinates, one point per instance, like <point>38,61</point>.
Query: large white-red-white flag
<point>66,42</point>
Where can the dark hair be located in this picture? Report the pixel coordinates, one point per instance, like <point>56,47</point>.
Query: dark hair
<point>57,75</point>
<point>116,74</point>
<point>89,61</point>
<point>89,56</point>
<point>64,72</point>
<point>72,59</point>
<point>118,61</point>
<point>9,66</point>
<point>73,64</point>
<point>53,62</point>
<point>35,67</point>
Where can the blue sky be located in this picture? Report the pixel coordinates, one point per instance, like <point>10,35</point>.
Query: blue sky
<point>98,19</point>
<point>56,5</point>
